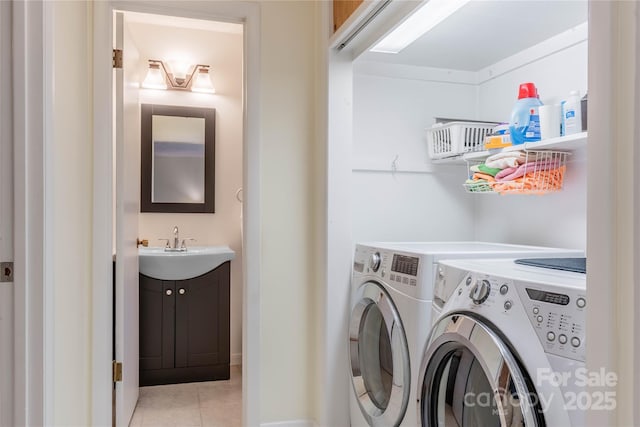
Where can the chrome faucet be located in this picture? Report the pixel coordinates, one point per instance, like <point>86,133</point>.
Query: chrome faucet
<point>177,246</point>
<point>176,239</point>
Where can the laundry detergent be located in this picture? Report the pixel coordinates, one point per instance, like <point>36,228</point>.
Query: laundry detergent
<point>524,125</point>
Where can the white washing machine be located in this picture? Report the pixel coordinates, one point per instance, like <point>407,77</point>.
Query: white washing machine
<point>508,348</point>
<point>392,289</point>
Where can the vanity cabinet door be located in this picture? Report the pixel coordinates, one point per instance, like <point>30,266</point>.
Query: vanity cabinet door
<point>202,320</point>
<point>184,328</point>
<point>157,326</point>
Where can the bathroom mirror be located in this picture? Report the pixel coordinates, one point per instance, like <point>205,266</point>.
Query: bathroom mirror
<point>177,159</point>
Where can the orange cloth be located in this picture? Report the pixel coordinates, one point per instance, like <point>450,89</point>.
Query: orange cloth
<point>484,176</point>
<point>536,182</point>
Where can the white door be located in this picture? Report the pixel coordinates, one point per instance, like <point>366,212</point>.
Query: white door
<point>6,219</point>
<point>127,149</point>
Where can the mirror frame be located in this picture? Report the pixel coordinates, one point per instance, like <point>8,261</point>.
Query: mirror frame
<point>146,159</point>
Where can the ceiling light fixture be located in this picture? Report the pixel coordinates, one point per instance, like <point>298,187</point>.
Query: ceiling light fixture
<point>418,24</point>
<point>195,78</point>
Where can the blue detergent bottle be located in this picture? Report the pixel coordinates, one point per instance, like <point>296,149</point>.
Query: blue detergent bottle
<point>524,125</point>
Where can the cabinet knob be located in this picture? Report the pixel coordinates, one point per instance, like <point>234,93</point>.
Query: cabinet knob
<point>169,292</point>
<point>181,291</point>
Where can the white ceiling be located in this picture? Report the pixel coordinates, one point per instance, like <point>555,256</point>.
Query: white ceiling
<point>485,31</point>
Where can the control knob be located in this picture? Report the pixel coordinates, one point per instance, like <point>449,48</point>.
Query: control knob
<point>480,291</point>
<point>374,261</point>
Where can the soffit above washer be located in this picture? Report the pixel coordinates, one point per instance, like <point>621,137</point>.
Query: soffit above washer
<point>484,32</point>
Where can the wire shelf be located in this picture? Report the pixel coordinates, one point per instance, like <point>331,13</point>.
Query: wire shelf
<point>531,172</point>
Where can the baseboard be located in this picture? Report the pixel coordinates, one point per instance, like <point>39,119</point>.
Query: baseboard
<point>236,359</point>
<point>293,423</point>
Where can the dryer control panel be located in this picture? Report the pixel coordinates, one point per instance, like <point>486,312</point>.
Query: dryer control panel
<point>406,272</point>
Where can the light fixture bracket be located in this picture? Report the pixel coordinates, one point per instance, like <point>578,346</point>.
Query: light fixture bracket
<point>177,83</point>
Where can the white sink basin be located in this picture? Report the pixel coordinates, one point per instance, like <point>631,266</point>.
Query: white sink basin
<point>196,261</point>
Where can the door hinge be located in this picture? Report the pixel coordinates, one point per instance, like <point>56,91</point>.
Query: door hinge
<point>116,58</point>
<point>117,371</point>
<point>6,272</point>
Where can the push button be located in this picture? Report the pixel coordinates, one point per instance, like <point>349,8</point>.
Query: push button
<point>562,339</point>
<point>575,341</point>
<point>536,310</point>
<point>581,302</point>
<point>551,336</point>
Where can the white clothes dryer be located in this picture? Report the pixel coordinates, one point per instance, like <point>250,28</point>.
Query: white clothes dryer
<point>508,348</point>
<point>391,297</point>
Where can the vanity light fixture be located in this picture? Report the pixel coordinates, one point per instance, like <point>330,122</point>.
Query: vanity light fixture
<point>202,82</point>
<point>422,21</point>
<point>155,78</point>
<point>161,76</point>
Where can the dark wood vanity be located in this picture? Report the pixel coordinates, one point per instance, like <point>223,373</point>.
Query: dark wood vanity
<point>184,328</point>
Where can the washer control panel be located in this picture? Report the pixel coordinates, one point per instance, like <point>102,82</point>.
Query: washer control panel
<point>558,318</point>
<point>486,292</point>
<point>558,315</point>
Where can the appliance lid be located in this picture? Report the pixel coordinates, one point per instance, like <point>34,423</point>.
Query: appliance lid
<point>471,247</point>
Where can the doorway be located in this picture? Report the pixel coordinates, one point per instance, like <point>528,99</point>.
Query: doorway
<point>180,44</point>
<point>248,16</point>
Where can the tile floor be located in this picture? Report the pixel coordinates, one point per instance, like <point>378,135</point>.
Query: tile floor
<point>205,404</point>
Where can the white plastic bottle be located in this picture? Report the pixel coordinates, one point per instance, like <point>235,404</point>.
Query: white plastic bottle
<point>571,114</point>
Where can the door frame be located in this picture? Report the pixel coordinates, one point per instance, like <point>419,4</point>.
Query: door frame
<point>6,216</point>
<point>102,299</point>
<point>33,115</point>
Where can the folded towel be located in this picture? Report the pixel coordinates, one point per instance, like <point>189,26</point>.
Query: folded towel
<point>485,169</point>
<point>508,159</point>
<point>479,176</point>
<point>509,174</point>
<point>478,186</point>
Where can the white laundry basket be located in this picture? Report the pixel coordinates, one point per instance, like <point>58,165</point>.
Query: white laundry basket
<point>455,138</point>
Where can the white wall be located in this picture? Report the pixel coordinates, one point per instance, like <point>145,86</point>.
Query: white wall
<point>554,75</point>
<point>421,201</point>
<point>69,183</point>
<point>558,219</point>
<point>390,115</point>
<point>288,113</point>
<point>411,207</point>
<point>223,51</point>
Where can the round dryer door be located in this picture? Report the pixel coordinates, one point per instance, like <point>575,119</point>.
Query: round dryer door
<point>469,377</point>
<point>379,357</point>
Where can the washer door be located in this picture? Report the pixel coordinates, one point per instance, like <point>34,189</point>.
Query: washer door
<point>379,357</point>
<point>469,377</point>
